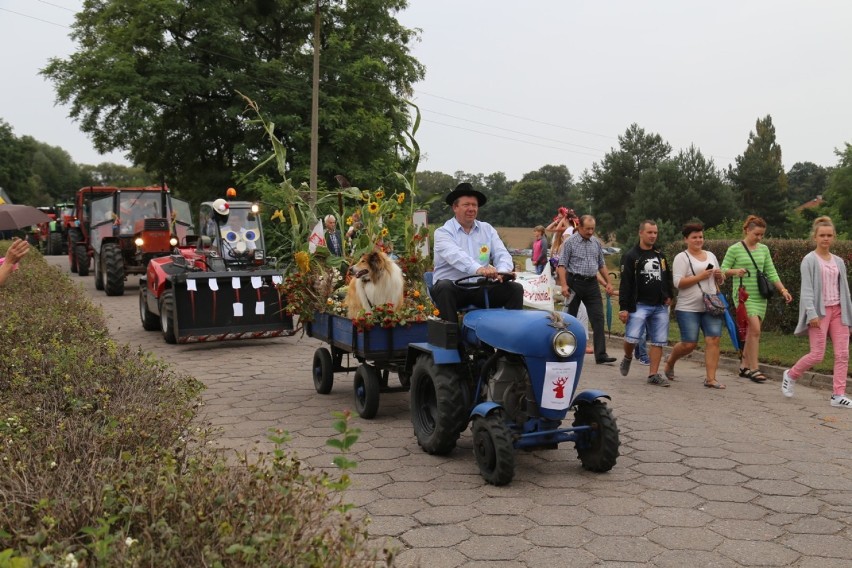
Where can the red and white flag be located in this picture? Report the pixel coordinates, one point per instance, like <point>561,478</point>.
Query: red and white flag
<point>317,238</point>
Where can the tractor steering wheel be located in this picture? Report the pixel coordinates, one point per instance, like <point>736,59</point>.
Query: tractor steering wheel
<point>483,282</point>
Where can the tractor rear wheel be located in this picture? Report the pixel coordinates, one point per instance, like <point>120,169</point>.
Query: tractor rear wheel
<point>112,269</point>
<point>74,237</point>
<point>367,388</point>
<point>150,322</point>
<point>323,371</point>
<point>99,278</point>
<point>82,254</point>
<point>438,411</point>
<point>54,244</point>
<point>492,447</point>
<point>167,322</point>
<point>598,448</point>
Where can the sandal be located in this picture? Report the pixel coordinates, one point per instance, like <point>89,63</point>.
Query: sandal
<point>745,372</point>
<point>669,373</point>
<point>714,385</point>
<point>756,376</point>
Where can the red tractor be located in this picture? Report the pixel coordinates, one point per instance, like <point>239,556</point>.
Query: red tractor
<point>220,286</point>
<point>77,227</point>
<point>130,227</point>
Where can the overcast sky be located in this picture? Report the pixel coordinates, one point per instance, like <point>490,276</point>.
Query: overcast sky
<point>512,86</point>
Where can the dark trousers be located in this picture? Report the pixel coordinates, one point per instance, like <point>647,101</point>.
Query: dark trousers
<point>448,297</point>
<point>589,292</point>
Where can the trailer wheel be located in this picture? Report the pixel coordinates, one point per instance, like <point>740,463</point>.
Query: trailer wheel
<point>167,322</point>
<point>492,447</point>
<point>323,371</point>
<point>438,411</point>
<point>367,388</point>
<point>598,448</point>
<point>150,322</point>
<point>73,239</point>
<point>112,269</point>
<point>82,255</point>
<point>54,244</point>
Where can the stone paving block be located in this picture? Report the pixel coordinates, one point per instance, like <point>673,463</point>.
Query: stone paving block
<point>752,553</point>
<point>498,525</point>
<point>676,538</point>
<point>619,526</point>
<point>624,549</point>
<point>436,536</point>
<point>494,548</point>
<point>677,517</point>
<point>559,536</point>
<point>738,529</point>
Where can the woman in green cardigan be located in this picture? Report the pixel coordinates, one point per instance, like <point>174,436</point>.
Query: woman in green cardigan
<point>738,263</point>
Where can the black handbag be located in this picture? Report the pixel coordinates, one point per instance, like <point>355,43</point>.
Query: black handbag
<point>764,286</point>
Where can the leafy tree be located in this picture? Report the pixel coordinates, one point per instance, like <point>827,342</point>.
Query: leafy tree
<point>436,184</point>
<point>13,170</point>
<point>806,181</point>
<point>759,180</point>
<point>611,184</point>
<point>532,202</point>
<point>838,194</point>
<point>161,80</point>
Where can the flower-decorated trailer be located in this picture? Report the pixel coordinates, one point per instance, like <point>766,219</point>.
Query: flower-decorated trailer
<point>379,352</point>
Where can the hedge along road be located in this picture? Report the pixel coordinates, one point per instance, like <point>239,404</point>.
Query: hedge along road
<point>735,477</point>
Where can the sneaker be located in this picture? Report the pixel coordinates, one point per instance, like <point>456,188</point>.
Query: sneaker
<point>625,366</point>
<point>644,361</point>
<point>787,384</point>
<point>841,400</point>
<point>661,381</point>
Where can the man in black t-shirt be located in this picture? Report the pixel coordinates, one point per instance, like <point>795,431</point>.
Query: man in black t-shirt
<point>644,298</point>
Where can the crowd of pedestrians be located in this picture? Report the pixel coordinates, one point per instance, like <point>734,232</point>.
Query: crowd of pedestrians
<point>649,285</point>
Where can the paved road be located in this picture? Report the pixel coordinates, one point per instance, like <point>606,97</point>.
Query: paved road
<point>737,477</point>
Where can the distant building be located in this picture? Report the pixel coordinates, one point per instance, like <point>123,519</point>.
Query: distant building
<point>815,202</point>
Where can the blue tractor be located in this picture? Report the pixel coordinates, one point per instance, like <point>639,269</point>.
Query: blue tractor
<point>513,375</point>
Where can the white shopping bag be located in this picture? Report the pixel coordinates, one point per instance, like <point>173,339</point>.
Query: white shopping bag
<point>538,289</point>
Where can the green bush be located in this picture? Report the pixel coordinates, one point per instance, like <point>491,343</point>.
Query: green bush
<point>787,256</point>
<point>100,463</point>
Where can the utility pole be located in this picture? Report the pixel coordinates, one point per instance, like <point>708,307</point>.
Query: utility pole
<point>315,108</point>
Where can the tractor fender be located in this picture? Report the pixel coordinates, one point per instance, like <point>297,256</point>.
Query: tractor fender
<point>439,355</point>
<point>589,396</point>
<point>483,409</point>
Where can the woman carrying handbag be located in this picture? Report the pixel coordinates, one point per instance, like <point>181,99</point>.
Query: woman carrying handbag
<point>749,259</point>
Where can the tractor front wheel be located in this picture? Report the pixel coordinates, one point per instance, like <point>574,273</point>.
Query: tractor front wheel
<point>112,269</point>
<point>492,447</point>
<point>597,448</point>
<point>167,322</point>
<point>81,252</point>
<point>149,318</point>
<point>74,238</point>
<point>367,388</point>
<point>54,244</point>
<point>99,278</point>
<point>323,371</point>
<point>438,411</point>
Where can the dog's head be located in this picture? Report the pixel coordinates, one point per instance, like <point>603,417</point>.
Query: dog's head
<point>370,266</point>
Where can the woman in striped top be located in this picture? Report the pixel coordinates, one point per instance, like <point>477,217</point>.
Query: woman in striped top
<point>825,310</point>
<point>738,263</point>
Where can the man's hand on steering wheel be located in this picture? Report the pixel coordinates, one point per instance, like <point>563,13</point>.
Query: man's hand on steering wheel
<point>489,272</point>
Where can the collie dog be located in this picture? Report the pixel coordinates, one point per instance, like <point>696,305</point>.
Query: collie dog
<point>376,280</point>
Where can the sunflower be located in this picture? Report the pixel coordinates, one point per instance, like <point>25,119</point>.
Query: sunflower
<point>349,220</point>
<point>385,231</point>
<point>400,198</point>
<point>380,194</point>
<point>303,261</point>
<point>483,249</point>
<point>373,207</point>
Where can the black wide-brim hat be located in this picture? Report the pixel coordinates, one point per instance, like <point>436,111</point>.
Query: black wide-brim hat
<point>464,189</point>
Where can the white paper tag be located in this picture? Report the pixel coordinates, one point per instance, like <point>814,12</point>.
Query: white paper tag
<point>558,385</point>
<point>235,282</point>
<point>190,285</point>
<point>259,308</point>
<point>238,309</point>
<point>277,279</point>
<point>213,284</point>
<point>256,282</point>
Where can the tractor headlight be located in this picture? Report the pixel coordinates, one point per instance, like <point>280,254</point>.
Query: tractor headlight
<point>139,242</point>
<point>564,343</point>
<point>173,241</point>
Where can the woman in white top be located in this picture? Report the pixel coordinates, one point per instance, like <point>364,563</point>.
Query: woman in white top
<point>696,272</point>
<point>825,310</point>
